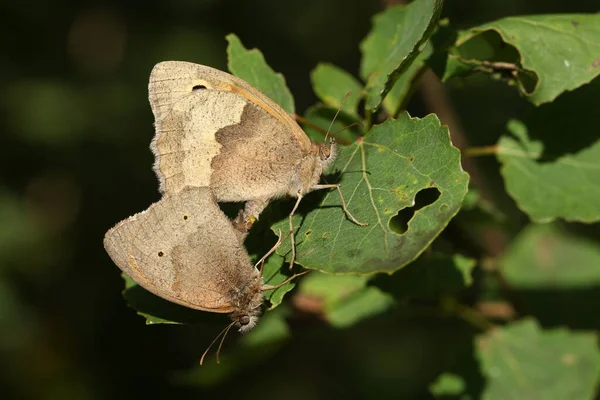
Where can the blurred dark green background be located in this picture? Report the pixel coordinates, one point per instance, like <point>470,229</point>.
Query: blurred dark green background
<point>74,135</point>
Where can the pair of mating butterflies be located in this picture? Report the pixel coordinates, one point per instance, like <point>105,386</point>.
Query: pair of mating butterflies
<point>217,139</point>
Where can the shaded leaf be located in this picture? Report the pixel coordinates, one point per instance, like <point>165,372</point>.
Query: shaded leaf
<point>523,361</point>
<point>331,84</point>
<point>380,175</point>
<point>396,39</point>
<point>398,96</point>
<point>567,187</point>
<point>250,65</point>
<point>344,300</point>
<point>560,52</point>
<point>542,256</point>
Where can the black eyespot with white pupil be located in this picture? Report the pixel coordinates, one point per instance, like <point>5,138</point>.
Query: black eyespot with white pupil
<point>160,254</point>
<point>185,217</point>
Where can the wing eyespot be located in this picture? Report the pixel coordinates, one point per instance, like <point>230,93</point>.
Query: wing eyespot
<point>160,254</point>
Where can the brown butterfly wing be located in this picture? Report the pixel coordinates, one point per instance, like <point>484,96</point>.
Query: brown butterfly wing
<point>184,249</point>
<point>203,114</point>
<point>185,145</point>
<point>172,80</point>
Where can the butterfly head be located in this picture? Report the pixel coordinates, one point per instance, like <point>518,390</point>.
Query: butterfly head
<point>327,154</point>
<point>248,304</point>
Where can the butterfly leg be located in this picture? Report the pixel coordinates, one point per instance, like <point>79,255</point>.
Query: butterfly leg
<point>337,186</point>
<point>262,260</point>
<point>293,237</point>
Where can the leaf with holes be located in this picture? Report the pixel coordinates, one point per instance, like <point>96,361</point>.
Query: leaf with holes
<point>250,65</point>
<point>397,164</point>
<point>547,54</point>
<point>523,361</point>
<point>396,39</point>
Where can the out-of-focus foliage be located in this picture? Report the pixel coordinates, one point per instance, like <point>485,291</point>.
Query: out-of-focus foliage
<point>491,302</point>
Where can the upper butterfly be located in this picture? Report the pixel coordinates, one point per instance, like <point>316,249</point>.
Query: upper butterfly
<point>216,130</point>
<point>213,129</point>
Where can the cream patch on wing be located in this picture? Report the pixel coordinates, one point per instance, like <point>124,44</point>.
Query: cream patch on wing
<point>185,143</point>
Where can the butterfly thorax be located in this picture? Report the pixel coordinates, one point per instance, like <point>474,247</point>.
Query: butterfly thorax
<point>247,302</point>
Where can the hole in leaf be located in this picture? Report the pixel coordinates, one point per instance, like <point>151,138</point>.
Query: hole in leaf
<point>425,197</point>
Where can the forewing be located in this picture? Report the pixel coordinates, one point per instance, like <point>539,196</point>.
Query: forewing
<point>189,102</point>
<point>184,144</point>
<point>171,80</point>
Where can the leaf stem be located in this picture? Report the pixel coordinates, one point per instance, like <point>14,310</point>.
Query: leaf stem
<point>480,151</point>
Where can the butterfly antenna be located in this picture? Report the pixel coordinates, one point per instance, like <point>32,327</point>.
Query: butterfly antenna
<point>222,340</point>
<point>336,115</point>
<point>347,127</point>
<point>223,332</point>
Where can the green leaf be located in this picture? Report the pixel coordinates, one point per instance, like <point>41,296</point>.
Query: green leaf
<point>398,96</point>
<point>543,256</point>
<point>264,340</point>
<point>523,361</point>
<point>319,118</point>
<point>447,384</point>
<point>250,65</point>
<point>396,39</point>
<point>345,300</point>
<point>273,275</point>
<point>568,187</point>
<point>331,84</point>
<point>380,175</point>
<point>560,52</point>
